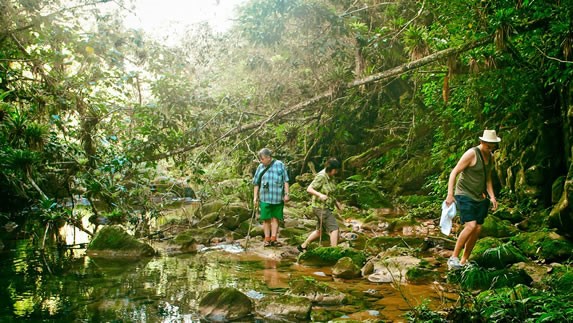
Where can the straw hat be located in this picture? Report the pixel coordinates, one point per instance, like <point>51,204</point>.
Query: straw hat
<point>489,136</point>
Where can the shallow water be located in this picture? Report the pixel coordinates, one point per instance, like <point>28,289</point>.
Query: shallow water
<point>68,286</point>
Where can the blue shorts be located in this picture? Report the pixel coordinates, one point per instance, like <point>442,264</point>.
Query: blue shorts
<point>471,210</point>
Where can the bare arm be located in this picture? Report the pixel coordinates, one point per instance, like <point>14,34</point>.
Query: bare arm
<point>316,193</point>
<point>256,195</point>
<point>286,198</point>
<point>490,192</point>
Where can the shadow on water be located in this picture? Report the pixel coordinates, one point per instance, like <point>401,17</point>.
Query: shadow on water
<point>65,286</point>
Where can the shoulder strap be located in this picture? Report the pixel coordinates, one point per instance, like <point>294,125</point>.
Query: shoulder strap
<point>478,151</point>
<point>263,173</point>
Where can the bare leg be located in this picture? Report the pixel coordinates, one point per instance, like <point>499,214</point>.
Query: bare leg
<point>274,228</point>
<point>267,229</point>
<point>470,243</point>
<point>334,238</point>
<point>313,236</point>
<point>469,227</point>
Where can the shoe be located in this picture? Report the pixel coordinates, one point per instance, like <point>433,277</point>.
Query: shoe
<point>454,263</point>
<point>267,244</point>
<point>300,248</point>
<point>276,243</point>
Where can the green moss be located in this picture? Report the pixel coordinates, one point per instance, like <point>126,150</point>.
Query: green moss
<point>544,245</point>
<point>112,237</point>
<point>500,256</point>
<point>379,244</point>
<point>363,194</point>
<point>330,255</point>
<point>561,279</point>
<point>495,227</point>
<point>420,275</point>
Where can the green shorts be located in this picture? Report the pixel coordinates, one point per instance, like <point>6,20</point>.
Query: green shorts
<point>269,211</point>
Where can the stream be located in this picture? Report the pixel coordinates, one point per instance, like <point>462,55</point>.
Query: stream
<point>66,285</point>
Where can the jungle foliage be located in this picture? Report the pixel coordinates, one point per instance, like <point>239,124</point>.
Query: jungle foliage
<point>398,90</point>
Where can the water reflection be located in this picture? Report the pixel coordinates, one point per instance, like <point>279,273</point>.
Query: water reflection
<point>68,286</point>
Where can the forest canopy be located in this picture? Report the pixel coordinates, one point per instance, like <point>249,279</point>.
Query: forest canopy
<point>395,89</point>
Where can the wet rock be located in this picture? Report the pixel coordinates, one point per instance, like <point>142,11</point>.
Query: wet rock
<point>345,268</point>
<point>113,241</point>
<point>284,308</point>
<point>315,291</point>
<point>328,256</point>
<point>224,305</point>
<point>392,269</point>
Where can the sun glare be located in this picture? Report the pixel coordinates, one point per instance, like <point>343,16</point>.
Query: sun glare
<point>167,18</point>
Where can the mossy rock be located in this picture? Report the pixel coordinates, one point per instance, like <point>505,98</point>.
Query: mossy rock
<point>484,244</point>
<point>561,279</point>
<point>315,291</point>
<point>475,277</point>
<point>345,268</point>
<point>208,219</point>
<point>500,256</point>
<point>548,246</point>
<point>202,236</point>
<point>513,215</point>
<point>363,194</point>
<point>495,227</point>
<point>378,244</point>
<point>284,308</point>
<point>298,193</point>
<point>400,222</point>
<point>113,241</point>
<point>212,207</point>
<point>328,256</point>
<point>225,304</point>
<point>420,275</point>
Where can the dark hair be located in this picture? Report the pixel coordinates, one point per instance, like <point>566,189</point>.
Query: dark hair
<point>332,163</point>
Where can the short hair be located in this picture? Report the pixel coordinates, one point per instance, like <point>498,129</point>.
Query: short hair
<point>332,163</point>
<point>264,152</point>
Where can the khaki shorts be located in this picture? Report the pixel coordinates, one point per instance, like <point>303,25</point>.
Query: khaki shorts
<point>328,220</point>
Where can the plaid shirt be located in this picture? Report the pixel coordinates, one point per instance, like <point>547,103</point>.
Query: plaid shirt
<point>325,185</point>
<point>273,183</point>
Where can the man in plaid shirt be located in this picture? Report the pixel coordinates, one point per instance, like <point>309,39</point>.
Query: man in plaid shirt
<point>271,190</point>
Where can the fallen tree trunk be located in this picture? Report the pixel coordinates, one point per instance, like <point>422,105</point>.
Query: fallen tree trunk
<point>396,71</point>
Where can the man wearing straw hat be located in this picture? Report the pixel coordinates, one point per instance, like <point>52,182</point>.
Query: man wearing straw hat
<point>473,194</point>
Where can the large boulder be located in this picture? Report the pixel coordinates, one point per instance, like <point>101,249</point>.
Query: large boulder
<point>495,227</point>
<point>224,305</point>
<point>113,241</point>
<point>345,268</point>
<point>543,245</point>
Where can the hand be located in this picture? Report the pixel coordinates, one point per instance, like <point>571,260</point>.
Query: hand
<point>323,197</point>
<point>493,203</point>
<point>255,201</point>
<point>286,198</point>
<point>449,200</point>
